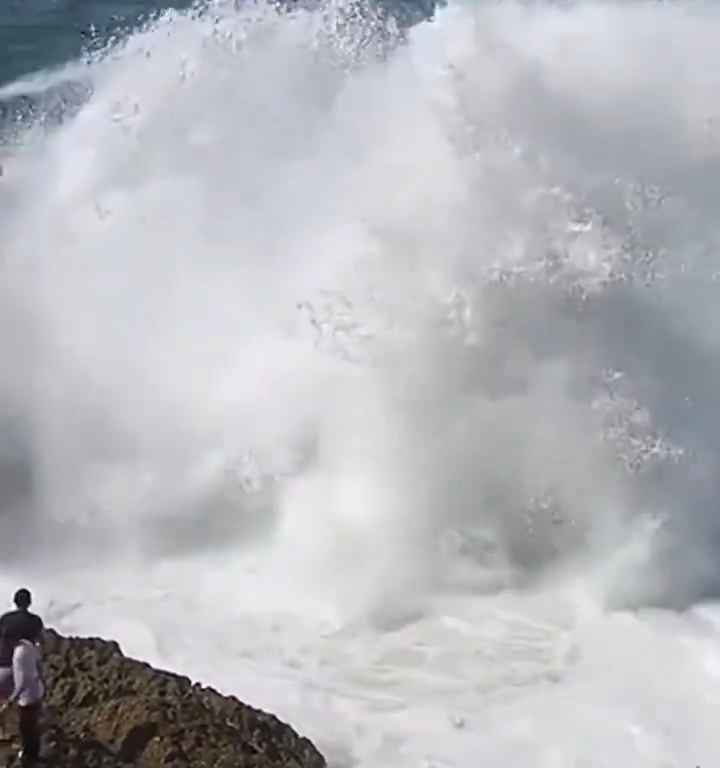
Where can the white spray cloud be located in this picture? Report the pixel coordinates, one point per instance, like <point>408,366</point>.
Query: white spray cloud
<point>485,203</point>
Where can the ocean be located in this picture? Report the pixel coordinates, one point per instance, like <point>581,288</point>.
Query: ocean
<point>39,34</point>
<point>368,371</point>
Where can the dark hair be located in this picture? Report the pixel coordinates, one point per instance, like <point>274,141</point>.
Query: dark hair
<point>23,598</point>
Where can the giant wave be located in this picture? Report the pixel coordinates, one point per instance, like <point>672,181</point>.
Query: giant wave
<point>404,353</point>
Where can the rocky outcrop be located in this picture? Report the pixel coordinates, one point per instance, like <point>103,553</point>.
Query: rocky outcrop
<point>105,710</point>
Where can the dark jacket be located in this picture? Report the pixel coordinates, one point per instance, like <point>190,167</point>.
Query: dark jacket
<point>14,626</point>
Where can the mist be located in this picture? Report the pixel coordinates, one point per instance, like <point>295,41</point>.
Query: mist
<point>446,309</point>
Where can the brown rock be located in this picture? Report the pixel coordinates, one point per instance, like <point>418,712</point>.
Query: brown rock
<point>104,710</point>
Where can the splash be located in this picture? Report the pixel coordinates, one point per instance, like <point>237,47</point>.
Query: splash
<point>437,313</point>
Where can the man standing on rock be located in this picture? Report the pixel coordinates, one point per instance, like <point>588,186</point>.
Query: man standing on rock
<point>20,675</point>
<point>13,626</point>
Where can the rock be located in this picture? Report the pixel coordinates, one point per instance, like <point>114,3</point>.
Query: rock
<point>104,710</point>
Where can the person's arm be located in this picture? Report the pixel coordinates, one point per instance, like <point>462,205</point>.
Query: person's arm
<point>39,668</point>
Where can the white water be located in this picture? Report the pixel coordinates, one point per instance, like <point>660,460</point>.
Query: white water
<point>308,376</point>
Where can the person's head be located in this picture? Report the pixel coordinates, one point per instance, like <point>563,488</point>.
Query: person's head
<point>23,598</point>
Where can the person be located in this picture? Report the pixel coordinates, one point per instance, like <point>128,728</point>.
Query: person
<point>14,625</point>
<point>28,693</point>
<point>17,624</point>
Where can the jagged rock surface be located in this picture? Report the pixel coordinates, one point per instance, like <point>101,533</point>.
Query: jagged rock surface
<point>104,710</point>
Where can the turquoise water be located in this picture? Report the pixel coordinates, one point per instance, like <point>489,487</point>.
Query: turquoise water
<point>35,34</point>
